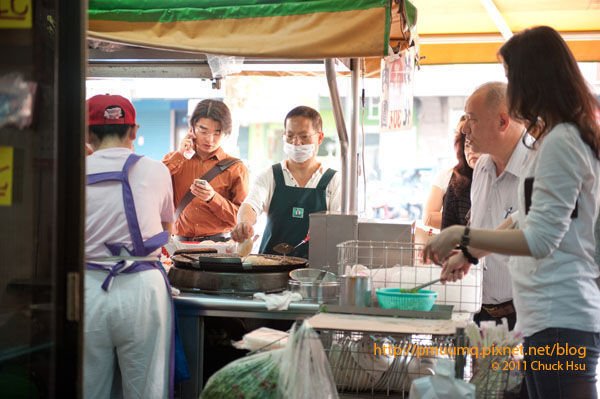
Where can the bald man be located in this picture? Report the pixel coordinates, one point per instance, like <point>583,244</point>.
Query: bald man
<point>490,131</point>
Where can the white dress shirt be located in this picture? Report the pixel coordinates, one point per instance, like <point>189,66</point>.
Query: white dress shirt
<point>493,199</point>
<point>556,286</point>
<point>261,192</point>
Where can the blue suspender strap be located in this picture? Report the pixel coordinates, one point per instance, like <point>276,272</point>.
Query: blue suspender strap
<point>140,248</point>
<point>130,212</point>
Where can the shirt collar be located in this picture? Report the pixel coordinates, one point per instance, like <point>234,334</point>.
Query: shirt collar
<point>111,152</point>
<point>518,157</point>
<point>219,154</point>
<point>515,162</point>
<point>285,168</point>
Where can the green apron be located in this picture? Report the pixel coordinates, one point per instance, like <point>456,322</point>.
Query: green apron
<point>287,220</point>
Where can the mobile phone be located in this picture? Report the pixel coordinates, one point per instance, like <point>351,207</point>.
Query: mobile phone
<point>201,182</point>
<point>189,153</point>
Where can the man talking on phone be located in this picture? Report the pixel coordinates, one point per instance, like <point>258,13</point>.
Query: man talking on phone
<point>208,184</point>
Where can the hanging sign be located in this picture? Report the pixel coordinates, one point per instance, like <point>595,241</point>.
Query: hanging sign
<point>397,91</point>
<point>6,175</point>
<point>15,14</point>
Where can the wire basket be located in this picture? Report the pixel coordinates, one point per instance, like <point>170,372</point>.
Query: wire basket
<point>395,298</point>
<point>393,264</point>
<point>381,364</point>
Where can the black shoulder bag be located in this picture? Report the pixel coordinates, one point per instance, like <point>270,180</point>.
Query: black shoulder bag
<point>216,170</point>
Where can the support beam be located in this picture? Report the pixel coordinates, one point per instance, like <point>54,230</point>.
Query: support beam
<point>498,18</point>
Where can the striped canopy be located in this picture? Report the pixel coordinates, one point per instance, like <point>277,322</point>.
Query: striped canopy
<point>291,29</point>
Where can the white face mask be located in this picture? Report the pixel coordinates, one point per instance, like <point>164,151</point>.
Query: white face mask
<point>299,153</point>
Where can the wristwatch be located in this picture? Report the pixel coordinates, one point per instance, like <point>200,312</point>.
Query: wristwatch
<point>464,243</point>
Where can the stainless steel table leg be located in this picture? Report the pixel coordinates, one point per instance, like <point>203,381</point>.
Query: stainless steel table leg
<point>460,360</point>
<point>191,329</point>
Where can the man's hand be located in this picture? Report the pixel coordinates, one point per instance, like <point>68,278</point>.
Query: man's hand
<point>203,191</point>
<point>242,231</point>
<point>187,144</point>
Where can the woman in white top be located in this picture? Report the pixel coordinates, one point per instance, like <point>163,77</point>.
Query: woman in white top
<point>553,270</point>
<point>433,212</point>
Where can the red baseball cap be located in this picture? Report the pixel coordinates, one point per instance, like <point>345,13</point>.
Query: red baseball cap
<point>107,109</point>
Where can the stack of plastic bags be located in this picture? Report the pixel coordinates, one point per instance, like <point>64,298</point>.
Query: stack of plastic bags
<point>490,380</point>
<point>493,377</point>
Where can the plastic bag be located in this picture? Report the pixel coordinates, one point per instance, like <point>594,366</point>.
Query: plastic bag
<point>490,381</point>
<point>17,97</point>
<point>251,377</point>
<point>223,65</point>
<point>263,338</point>
<point>305,372</point>
<point>298,371</point>
<point>442,385</point>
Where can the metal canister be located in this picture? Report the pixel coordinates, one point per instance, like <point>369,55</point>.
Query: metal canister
<point>355,291</point>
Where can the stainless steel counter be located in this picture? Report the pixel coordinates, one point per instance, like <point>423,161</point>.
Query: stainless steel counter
<point>191,310</point>
<point>212,305</point>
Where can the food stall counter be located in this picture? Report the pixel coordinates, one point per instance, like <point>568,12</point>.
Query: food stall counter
<point>191,311</point>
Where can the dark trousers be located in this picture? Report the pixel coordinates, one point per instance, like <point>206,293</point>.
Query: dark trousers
<point>553,374</point>
<point>483,315</point>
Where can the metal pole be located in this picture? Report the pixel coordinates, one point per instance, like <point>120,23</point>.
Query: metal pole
<point>341,129</point>
<point>353,148</point>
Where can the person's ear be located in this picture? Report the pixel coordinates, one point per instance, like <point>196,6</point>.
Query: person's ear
<point>321,137</point>
<point>133,132</point>
<point>504,120</point>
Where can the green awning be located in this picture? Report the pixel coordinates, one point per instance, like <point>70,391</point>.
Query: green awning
<point>291,29</point>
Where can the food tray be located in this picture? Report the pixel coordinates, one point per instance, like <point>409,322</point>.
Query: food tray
<point>395,298</point>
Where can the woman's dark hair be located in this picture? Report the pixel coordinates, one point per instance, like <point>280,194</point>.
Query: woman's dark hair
<point>306,112</point>
<point>103,131</point>
<point>545,85</point>
<point>462,172</point>
<point>213,109</point>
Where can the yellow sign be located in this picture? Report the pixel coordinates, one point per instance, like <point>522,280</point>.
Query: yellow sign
<point>6,175</point>
<point>15,14</point>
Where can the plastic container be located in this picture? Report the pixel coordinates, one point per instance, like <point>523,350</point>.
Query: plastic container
<point>395,298</point>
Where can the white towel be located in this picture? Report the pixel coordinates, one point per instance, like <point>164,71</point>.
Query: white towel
<point>280,301</point>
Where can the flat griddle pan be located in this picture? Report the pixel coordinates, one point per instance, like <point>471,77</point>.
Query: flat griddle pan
<point>229,263</point>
